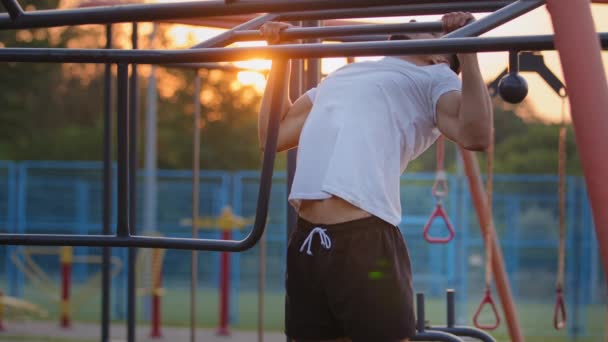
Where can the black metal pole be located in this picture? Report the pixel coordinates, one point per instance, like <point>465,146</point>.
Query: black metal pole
<point>395,10</point>
<point>193,9</point>
<point>132,253</point>
<point>513,62</point>
<point>227,37</point>
<point>122,146</point>
<point>288,51</point>
<point>346,30</point>
<point>13,8</point>
<point>107,194</point>
<point>450,308</point>
<point>496,19</point>
<point>295,91</point>
<point>420,313</point>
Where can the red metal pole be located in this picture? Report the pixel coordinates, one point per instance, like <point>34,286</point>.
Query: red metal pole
<point>156,294</point>
<point>501,279</point>
<point>66,257</point>
<point>580,54</point>
<point>223,329</point>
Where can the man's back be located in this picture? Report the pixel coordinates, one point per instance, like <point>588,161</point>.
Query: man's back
<point>368,120</point>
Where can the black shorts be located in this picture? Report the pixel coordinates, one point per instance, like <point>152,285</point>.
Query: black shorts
<point>357,283</point>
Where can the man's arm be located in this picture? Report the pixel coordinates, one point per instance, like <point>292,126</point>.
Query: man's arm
<point>466,117</point>
<point>293,115</point>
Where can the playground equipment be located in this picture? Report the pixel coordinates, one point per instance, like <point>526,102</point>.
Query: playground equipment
<point>585,78</point>
<point>451,320</point>
<point>226,222</point>
<point>487,299</point>
<point>149,265</point>
<point>440,191</point>
<point>18,307</point>
<point>68,301</point>
<point>514,92</point>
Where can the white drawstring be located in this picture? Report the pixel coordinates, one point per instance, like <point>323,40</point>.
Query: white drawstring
<point>325,240</point>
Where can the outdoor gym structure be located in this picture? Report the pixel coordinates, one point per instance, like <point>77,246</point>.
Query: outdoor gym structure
<point>575,39</point>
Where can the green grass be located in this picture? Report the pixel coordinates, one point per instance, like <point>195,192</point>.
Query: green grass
<point>39,339</point>
<point>535,318</point>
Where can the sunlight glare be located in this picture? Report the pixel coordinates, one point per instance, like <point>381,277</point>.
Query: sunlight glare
<point>252,78</point>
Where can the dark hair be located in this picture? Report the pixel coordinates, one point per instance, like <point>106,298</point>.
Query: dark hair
<point>454,63</point>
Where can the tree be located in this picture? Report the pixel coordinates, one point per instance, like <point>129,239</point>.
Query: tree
<point>53,111</point>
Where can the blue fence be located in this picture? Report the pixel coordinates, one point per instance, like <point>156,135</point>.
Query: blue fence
<point>65,197</point>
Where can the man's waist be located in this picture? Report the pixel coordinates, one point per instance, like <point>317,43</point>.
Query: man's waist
<point>330,211</point>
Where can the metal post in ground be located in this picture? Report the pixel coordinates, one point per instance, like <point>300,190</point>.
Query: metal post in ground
<point>106,194</point>
<point>132,252</point>
<point>195,201</point>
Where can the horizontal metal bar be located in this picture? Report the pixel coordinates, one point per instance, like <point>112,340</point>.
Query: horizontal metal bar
<point>212,66</point>
<point>465,332</point>
<point>347,30</point>
<point>435,336</point>
<point>177,10</point>
<point>398,47</point>
<point>362,38</point>
<point>127,241</point>
<point>398,10</point>
<point>13,8</point>
<point>227,37</point>
<point>496,19</point>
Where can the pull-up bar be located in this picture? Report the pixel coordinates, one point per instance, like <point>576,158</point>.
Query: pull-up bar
<point>346,30</point>
<point>408,47</point>
<point>399,10</point>
<point>13,8</point>
<point>178,10</point>
<point>485,24</point>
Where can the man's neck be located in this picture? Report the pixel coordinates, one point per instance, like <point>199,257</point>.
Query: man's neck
<point>417,60</point>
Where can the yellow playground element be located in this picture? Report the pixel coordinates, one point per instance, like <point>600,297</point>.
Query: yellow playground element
<point>19,308</point>
<point>149,268</point>
<point>225,221</point>
<point>23,259</point>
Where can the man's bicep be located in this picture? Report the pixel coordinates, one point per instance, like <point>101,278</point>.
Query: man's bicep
<point>292,123</point>
<point>448,114</point>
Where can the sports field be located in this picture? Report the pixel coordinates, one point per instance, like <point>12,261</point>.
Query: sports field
<point>535,318</point>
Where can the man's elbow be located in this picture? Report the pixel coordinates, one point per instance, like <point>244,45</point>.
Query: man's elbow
<point>478,140</point>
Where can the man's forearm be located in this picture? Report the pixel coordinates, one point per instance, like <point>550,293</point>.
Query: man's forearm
<point>276,76</point>
<point>476,107</point>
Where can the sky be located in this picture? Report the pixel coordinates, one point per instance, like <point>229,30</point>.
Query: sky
<point>541,97</point>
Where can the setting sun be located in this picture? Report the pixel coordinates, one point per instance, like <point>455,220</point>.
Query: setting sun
<point>252,78</point>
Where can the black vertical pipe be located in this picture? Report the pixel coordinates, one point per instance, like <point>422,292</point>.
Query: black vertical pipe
<point>450,308</point>
<point>107,194</point>
<point>513,62</point>
<point>313,65</point>
<point>122,146</point>
<point>132,253</point>
<point>420,312</point>
<point>295,91</point>
<point>300,81</point>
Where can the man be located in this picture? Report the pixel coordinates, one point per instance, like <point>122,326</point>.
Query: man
<point>348,269</point>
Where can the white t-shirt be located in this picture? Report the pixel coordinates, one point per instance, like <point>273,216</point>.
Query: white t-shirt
<point>368,120</point>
